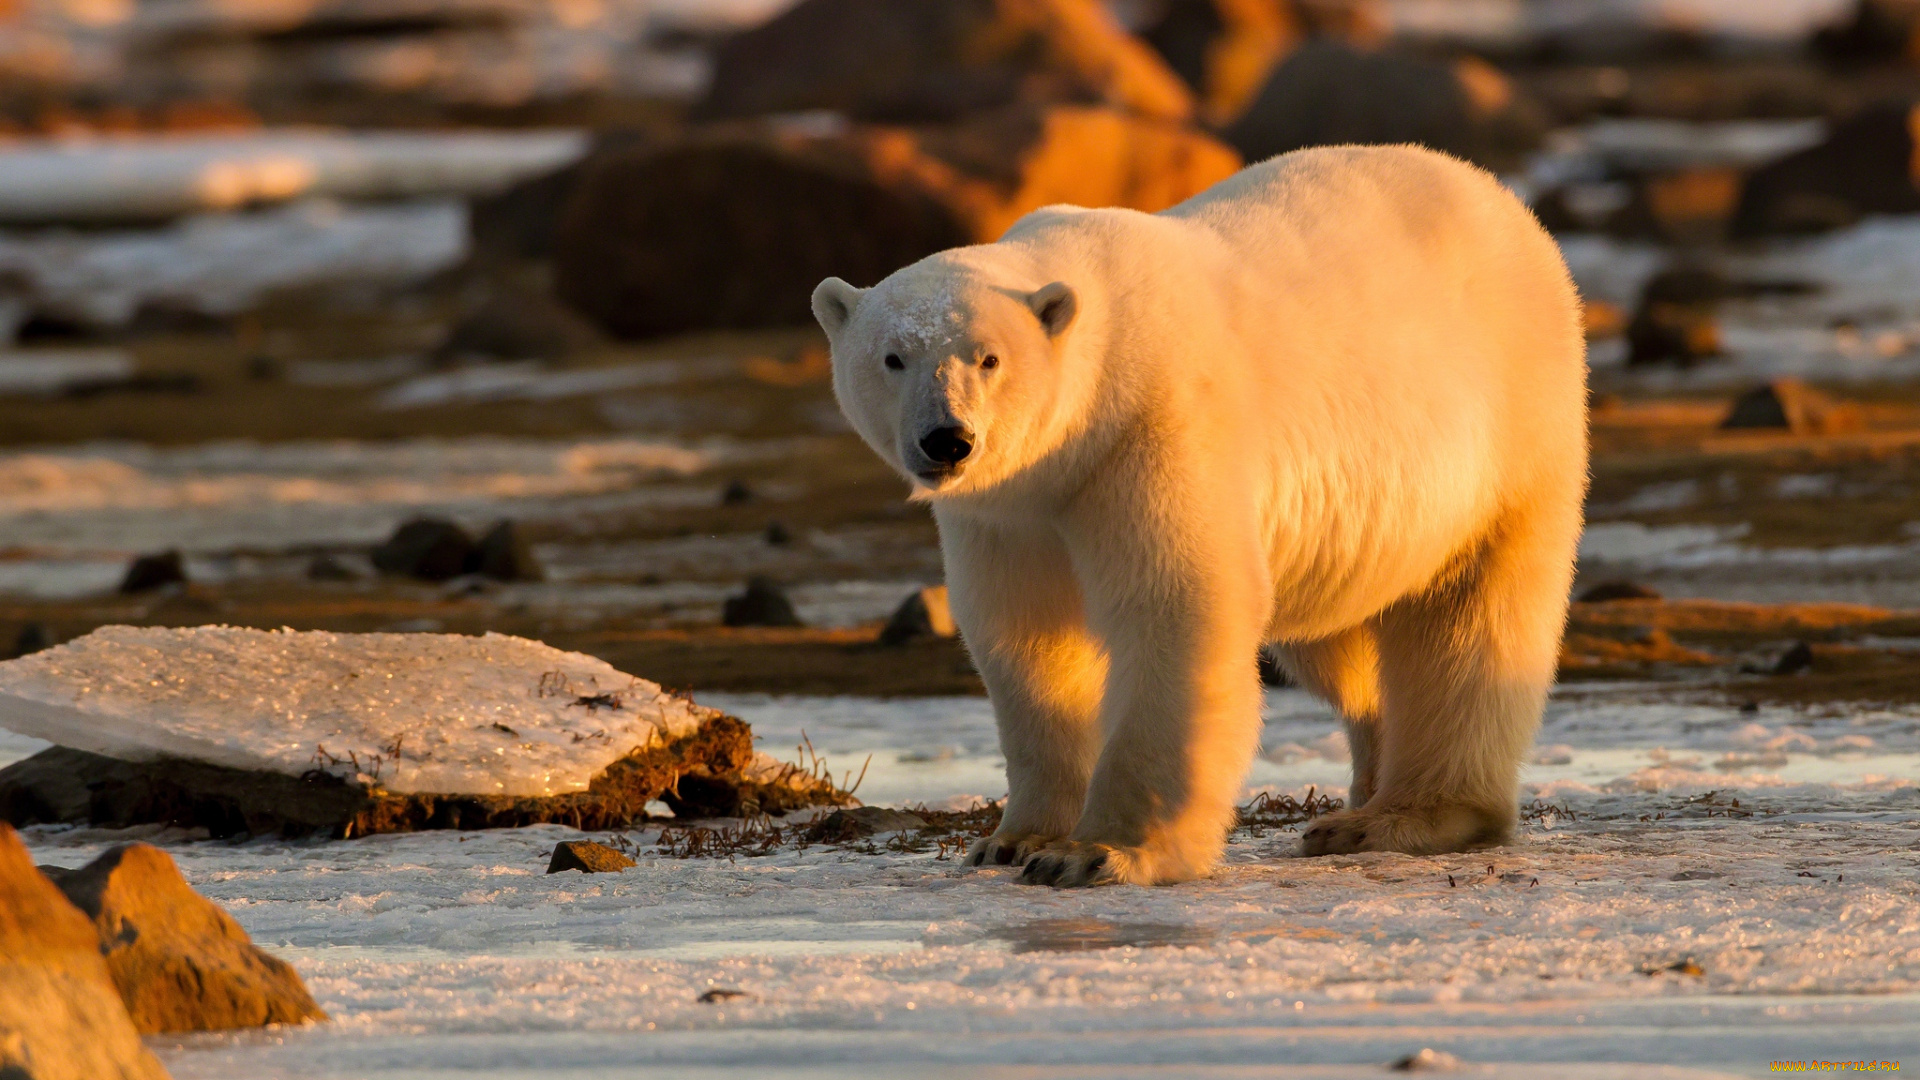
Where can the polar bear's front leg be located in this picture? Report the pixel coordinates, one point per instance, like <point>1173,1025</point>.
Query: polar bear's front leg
<point>1020,612</point>
<point>1181,711</point>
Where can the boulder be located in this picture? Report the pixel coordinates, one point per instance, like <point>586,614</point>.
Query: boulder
<point>922,615</point>
<point>1865,166</point>
<point>505,554</point>
<point>32,638</point>
<point>1877,32</point>
<point>762,604</point>
<point>1608,592</point>
<point>150,572</point>
<point>60,1016</point>
<point>1329,92</point>
<point>587,857</point>
<point>426,548</point>
<point>851,822</point>
<point>517,323</point>
<point>1787,404</point>
<point>179,962</point>
<point>1228,48</point>
<point>734,226</point>
<point>1674,322</point>
<point>938,60</point>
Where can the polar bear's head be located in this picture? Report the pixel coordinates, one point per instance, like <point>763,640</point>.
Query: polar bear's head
<point>951,374</point>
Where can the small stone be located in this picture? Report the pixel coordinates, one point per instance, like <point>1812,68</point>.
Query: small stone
<point>32,638</point>
<point>924,614</point>
<point>1609,591</point>
<point>720,994</point>
<point>778,534</point>
<point>1787,404</point>
<point>156,571</point>
<point>179,962</point>
<point>852,822</point>
<point>330,568</point>
<point>587,857</point>
<point>1426,1059</point>
<point>1795,660</point>
<point>762,604</point>
<point>263,368</point>
<point>736,493</point>
<point>505,554</point>
<point>429,549</point>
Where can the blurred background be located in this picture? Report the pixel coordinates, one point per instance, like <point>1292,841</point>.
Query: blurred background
<point>492,314</point>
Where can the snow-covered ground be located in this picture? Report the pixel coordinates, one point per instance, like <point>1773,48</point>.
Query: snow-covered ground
<point>1718,890</point>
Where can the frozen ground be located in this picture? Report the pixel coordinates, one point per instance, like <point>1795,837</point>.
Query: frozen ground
<point>1798,907</point>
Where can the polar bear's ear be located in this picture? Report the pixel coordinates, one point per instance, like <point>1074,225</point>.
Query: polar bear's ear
<point>833,303</point>
<point>1056,305</point>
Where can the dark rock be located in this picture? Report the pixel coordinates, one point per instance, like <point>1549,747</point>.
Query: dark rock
<point>1675,322</point>
<point>60,1016</point>
<point>32,638</point>
<point>1865,166</point>
<point>762,604</point>
<point>1879,31</point>
<point>922,615</point>
<point>505,554</point>
<point>852,822</point>
<point>518,323</point>
<point>778,534</point>
<point>736,493</point>
<point>73,786</point>
<point>426,548</point>
<point>1609,591</point>
<point>720,995</point>
<point>1787,404</point>
<point>1224,48</point>
<point>938,60</point>
<point>179,962</point>
<point>587,857</point>
<point>767,211</point>
<point>1427,1059</point>
<point>1330,93</point>
<point>330,568</point>
<point>263,368</point>
<point>1796,659</point>
<point>150,572</point>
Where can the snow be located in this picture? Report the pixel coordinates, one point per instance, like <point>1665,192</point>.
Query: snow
<point>43,372</point>
<point>157,176</point>
<point>412,712</point>
<point>220,264</point>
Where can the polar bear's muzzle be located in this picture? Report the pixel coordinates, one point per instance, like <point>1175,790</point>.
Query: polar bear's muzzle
<point>942,450</point>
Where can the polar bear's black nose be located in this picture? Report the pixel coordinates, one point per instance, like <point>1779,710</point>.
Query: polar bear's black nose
<point>947,445</point>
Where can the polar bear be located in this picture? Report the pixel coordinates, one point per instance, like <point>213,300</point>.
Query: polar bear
<point>1335,404</point>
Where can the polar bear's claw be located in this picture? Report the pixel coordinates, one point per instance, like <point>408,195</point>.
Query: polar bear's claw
<point>1431,832</point>
<point>1005,850</point>
<point>1071,864</point>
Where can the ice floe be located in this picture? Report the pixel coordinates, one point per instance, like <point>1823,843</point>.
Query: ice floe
<point>492,715</point>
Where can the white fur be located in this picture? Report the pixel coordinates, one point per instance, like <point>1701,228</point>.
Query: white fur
<point>1336,403</point>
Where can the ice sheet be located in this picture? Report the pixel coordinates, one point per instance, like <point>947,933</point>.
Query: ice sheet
<point>493,715</point>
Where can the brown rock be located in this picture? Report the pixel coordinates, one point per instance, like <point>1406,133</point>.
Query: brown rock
<point>851,822</point>
<point>1226,48</point>
<point>924,614</point>
<point>1675,322</point>
<point>179,962</point>
<point>734,227</point>
<point>60,1017</point>
<point>1865,166</point>
<point>587,857</point>
<point>939,60</point>
<point>1609,592</point>
<point>761,604</point>
<point>150,572</point>
<point>1787,404</point>
<point>426,548</point>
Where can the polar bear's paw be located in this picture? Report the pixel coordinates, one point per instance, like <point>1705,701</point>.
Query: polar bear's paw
<point>1414,832</point>
<point>1072,864</point>
<point>1010,849</point>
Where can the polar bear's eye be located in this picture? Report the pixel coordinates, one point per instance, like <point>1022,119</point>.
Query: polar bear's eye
<point>893,361</point>
<point>990,362</point>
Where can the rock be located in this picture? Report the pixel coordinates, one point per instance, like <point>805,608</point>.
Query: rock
<point>1610,591</point>
<point>938,60</point>
<point>1329,93</point>
<point>1427,1059</point>
<point>778,534</point>
<point>1674,322</point>
<point>1865,166</point>
<point>426,548</point>
<point>851,822</point>
<point>1877,32</point>
<point>33,637</point>
<point>768,210</point>
<point>923,614</point>
<point>150,572</point>
<point>1225,48</point>
<point>1787,404</point>
<point>518,323</point>
<point>762,604</point>
<point>587,857</point>
<point>736,493</point>
<point>179,962</point>
<point>505,554</point>
<point>60,1016</point>
<point>1795,660</point>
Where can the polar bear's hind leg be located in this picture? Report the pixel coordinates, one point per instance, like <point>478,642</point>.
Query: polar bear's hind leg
<point>1344,671</point>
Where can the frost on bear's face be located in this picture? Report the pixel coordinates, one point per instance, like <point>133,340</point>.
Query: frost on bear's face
<point>953,379</point>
